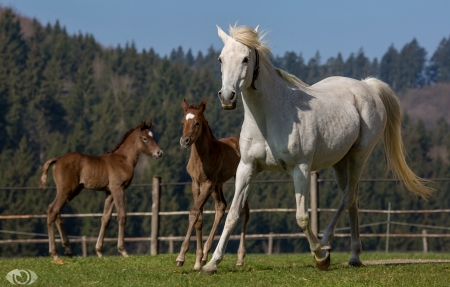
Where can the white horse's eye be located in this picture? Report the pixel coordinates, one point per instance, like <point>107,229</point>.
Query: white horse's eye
<point>245,61</point>
<point>220,60</point>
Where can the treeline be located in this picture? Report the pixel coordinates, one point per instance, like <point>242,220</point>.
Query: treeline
<point>61,93</point>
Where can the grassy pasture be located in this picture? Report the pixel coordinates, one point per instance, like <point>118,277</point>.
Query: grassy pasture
<point>259,270</point>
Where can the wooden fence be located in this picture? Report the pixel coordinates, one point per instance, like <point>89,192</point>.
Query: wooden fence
<point>155,239</point>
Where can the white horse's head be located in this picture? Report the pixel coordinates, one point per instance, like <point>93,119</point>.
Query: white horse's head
<point>240,62</point>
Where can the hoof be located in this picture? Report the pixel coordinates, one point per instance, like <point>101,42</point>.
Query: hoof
<point>69,255</point>
<point>180,263</point>
<point>58,261</point>
<point>355,263</point>
<point>204,262</point>
<point>208,272</point>
<point>324,264</point>
<point>99,254</point>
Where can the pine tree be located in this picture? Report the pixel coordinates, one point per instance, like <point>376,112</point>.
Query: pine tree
<point>313,69</point>
<point>389,67</point>
<point>411,65</point>
<point>333,67</point>
<point>439,69</point>
<point>294,64</point>
<point>13,57</point>
<point>79,106</point>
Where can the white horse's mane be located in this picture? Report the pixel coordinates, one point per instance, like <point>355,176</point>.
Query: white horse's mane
<point>254,40</point>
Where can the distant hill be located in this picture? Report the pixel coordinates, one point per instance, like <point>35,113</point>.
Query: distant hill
<point>25,22</point>
<point>429,103</point>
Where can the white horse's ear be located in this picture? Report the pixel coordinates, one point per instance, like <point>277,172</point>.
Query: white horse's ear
<point>222,34</point>
<point>256,29</point>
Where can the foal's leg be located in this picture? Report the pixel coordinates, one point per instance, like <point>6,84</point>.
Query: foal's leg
<point>118,195</point>
<point>52,213</point>
<point>244,215</point>
<point>60,225</point>
<point>220,206</point>
<point>185,247</point>
<point>302,178</point>
<point>194,215</point>
<point>245,174</point>
<point>199,235</point>
<point>63,234</point>
<point>106,219</point>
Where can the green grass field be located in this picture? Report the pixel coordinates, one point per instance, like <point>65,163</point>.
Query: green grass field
<point>259,270</point>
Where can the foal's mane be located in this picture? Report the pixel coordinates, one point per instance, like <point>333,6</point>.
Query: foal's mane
<point>252,39</point>
<point>125,136</point>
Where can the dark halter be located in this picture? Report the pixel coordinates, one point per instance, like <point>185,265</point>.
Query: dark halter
<point>256,70</point>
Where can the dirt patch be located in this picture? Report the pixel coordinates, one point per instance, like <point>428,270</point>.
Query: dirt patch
<point>403,261</point>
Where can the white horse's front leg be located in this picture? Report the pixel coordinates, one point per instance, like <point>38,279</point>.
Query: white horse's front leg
<point>302,181</point>
<point>244,177</point>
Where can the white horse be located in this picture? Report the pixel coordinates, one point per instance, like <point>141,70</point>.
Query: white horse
<point>294,128</point>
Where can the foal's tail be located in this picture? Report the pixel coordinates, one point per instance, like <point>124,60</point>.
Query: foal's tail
<point>393,143</point>
<point>45,167</point>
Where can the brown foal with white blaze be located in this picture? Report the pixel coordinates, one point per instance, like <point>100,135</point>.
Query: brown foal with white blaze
<point>211,164</point>
<point>111,172</point>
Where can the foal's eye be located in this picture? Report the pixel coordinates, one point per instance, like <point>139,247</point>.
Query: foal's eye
<point>197,124</point>
<point>220,60</point>
<point>245,61</point>
<point>144,139</point>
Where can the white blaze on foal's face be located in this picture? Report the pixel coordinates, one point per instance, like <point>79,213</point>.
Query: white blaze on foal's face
<point>189,116</point>
<point>150,133</point>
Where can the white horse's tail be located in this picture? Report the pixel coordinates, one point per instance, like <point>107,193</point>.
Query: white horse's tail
<point>393,143</point>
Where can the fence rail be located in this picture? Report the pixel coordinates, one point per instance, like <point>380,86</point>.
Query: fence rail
<point>154,239</point>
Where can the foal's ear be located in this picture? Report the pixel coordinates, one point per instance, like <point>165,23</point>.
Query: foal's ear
<point>184,105</point>
<point>149,125</point>
<point>142,127</point>
<point>202,106</point>
<point>222,34</point>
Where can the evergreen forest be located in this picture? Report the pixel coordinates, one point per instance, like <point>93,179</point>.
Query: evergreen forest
<point>61,93</point>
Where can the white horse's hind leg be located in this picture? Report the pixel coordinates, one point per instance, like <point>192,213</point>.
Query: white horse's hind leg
<point>354,230</point>
<point>244,177</point>
<point>301,177</point>
<point>350,171</point>
<point>340,170</point>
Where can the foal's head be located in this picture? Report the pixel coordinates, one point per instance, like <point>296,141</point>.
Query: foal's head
<point>146,142</point>
<point>193,121</point>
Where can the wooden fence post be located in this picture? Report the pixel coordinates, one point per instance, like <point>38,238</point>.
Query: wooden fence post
<point>314,192</point>
<point>388,226</point>
<point>270,244</point>
<point>425,242</point>
<point>156,194</point>
<point>171,244</point>
<point>83,246</point>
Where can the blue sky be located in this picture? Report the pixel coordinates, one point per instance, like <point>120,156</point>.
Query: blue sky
<point>302,26</point>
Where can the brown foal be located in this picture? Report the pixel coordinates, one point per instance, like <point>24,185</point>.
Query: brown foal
<point>111,172</point>
<point>211,164</point>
